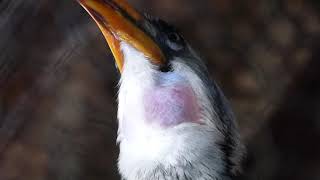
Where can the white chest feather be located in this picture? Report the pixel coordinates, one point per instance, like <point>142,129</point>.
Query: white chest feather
<point>161,133</point>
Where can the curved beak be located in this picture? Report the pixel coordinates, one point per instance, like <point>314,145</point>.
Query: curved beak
<point>119,22</point>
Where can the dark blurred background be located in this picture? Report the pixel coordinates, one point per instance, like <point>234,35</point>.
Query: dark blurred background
<point>58,84</point>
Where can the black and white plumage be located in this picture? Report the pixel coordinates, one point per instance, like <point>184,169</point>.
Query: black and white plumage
<point>174,121</point>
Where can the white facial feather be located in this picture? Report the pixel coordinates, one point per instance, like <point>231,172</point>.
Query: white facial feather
<point>148,152</point>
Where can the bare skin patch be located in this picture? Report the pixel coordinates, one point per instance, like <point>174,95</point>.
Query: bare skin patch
<point>171,105</point>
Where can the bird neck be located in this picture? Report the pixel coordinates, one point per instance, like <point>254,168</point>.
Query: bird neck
<point>189,148</point>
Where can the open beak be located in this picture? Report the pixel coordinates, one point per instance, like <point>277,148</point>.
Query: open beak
<point>119,22</point>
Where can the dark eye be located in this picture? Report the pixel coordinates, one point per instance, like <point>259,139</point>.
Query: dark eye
<point>175,41</point>
<point>173,37</point>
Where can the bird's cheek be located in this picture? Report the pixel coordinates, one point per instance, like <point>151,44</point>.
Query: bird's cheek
<point>171,106</point>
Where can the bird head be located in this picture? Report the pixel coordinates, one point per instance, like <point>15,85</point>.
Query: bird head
<point>173,120</point>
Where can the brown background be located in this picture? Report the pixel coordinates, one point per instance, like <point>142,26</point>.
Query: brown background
<point>58,84</point>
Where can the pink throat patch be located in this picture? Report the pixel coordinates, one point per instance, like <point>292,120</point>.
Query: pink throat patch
<point>171,105</point>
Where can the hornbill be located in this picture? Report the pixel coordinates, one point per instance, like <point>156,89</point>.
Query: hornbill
<point>174,121</point>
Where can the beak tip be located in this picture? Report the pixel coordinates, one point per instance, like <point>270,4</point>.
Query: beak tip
<point>118,22</point>
<point>80,1</point>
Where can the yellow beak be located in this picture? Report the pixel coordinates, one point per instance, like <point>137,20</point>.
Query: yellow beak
<point>118,22</point>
